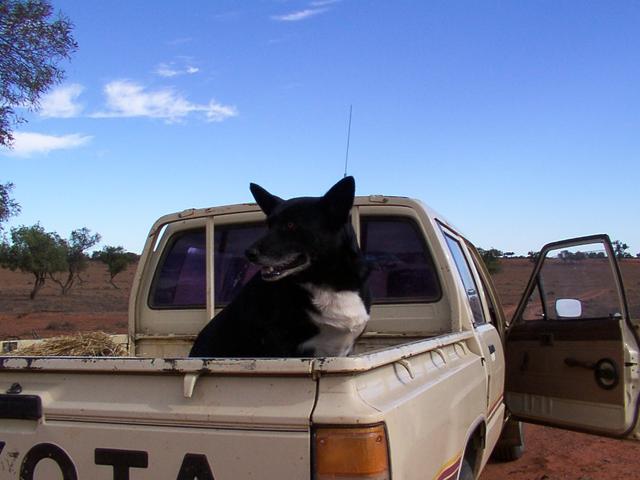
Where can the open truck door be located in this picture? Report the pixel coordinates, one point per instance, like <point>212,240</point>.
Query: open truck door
<point>571,348</point>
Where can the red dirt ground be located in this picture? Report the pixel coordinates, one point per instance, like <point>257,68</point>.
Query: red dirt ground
<point>92,305</point>
<point>553,454</point>
<point>550,454</point>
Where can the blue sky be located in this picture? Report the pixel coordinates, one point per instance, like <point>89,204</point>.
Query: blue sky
<point>518,121</point>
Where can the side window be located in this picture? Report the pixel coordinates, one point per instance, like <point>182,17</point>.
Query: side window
<point>483,281</point>
<point>180,280</point>
<point>402,270</point>
<point>232,269</point>
<point>467,279</point>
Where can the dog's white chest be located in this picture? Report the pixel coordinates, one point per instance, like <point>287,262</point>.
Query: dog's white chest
<point>341,317</point>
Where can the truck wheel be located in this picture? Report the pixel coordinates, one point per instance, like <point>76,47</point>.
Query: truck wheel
<point>510,447</point>
<point>508,454</point>
<point>466,472</point>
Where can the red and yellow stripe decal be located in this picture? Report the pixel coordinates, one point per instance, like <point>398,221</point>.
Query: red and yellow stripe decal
<point>495,406</point>
<point>450,469</point>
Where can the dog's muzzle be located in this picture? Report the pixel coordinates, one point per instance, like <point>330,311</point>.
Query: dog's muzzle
<point>273,269</point>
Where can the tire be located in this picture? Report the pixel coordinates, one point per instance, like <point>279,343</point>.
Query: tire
<point>508,454</point>
<point>507,450</point>
<point>466,472</point>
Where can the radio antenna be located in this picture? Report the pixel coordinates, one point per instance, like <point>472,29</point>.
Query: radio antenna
<point>346,158</point>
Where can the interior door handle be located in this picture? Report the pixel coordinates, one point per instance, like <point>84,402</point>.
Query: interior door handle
<point>572,362</point>
<point>605,371</point>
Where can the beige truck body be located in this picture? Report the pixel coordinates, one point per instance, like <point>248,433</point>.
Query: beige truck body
<point>422,397</point>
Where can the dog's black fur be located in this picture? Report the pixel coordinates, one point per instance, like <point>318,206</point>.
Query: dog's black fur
<point>309,243</point>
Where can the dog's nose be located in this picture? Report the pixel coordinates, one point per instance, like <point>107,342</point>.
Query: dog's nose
<point>251,254</point>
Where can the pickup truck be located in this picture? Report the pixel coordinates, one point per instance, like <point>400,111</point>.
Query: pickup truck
<point>438,381</point>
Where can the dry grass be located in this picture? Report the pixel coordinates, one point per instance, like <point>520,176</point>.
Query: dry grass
<point>94,344</point>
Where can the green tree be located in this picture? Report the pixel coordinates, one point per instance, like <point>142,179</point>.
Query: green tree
<point>8,206</point>
<point>491,259</point>
<point>32,44</point>
<point>533,256</point>
<point>77,260</point>
<point>569,256</point>
<point>34,251</point>
<point>620,249</point>
<point>117,260</point>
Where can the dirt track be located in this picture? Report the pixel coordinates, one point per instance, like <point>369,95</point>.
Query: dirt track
<point>550,454</point>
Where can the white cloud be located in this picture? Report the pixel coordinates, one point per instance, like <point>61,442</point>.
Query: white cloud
<point>216,112</point>
<point>323,3</point>
<point>168,70</point>
<point>129,99</point>
<point>61,102</point>
<point>165,71</point>
<point>27,144</point>
<point>299,15</point>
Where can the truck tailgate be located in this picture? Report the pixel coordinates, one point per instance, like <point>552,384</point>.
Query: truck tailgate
<point>141,419</point>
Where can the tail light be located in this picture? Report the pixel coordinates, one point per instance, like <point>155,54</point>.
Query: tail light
<point>350,453</point>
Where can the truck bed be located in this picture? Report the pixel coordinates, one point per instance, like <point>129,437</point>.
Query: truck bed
<point>169,412</point>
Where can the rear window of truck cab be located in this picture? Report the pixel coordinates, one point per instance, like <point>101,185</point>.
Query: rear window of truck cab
<point>180,279</point>
<point>401,266</point>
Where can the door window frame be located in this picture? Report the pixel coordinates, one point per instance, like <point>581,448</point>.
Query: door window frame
<point>491,295</point>
<point>447,231</point>
<point>534,280</point>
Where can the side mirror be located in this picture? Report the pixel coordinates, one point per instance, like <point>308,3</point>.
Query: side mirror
<point>568,308</point>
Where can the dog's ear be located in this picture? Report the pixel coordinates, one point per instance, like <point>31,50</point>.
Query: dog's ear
<point>264,199</point>
<point>339,200</point>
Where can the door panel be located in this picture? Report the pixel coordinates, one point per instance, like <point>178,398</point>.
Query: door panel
<point>571,353</point>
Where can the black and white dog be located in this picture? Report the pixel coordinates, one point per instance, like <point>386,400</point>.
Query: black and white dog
<point>310,297</point>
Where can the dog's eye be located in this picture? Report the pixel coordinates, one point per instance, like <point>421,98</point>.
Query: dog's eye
<point>291,226</point>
